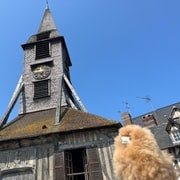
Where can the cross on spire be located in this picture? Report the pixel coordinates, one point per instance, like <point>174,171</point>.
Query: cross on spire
<point>47,4</point>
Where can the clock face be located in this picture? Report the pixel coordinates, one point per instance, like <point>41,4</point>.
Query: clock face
<point>41,72</point>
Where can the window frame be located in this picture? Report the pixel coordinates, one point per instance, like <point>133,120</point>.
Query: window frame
<point>93,169</point>
<point>42,43</point>
<point>175,134</point>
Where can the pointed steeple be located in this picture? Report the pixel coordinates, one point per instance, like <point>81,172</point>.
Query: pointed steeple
<point>47,22</point>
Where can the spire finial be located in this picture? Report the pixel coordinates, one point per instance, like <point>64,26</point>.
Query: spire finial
<point>47,4</point>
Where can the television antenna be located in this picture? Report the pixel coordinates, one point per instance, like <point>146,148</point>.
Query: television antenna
<point>127,106</point>
<point>148,100</point>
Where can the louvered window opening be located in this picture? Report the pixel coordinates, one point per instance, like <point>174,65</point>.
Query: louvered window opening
<point>42,49</point>
<point>42,46</point>
<point>41,89</point>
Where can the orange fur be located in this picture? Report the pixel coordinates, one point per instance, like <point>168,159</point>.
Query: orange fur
<point>141,158</point>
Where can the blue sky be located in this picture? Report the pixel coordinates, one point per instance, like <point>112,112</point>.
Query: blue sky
<point>120,50</point>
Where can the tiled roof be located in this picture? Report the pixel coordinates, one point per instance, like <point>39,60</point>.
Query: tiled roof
<point>159,131</point>
<point>42,122</point>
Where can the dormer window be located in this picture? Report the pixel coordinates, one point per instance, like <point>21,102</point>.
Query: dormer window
<point>173,125</point>
<point>149,120</point>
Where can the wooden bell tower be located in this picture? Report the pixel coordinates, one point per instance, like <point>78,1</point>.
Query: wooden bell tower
<point>45,82</point>
<point>46,66</point>
<point>53,137</point>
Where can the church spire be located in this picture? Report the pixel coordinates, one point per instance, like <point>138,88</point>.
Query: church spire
<point>47,22</point>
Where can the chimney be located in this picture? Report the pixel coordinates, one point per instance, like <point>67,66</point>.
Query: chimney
<point>126,118</point>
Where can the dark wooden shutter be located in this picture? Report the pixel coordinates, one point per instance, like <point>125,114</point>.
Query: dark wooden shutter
<point>42,49</point>
<point>41,89</point>
<point>42,46</point>
<point>59,166</point>
<point>94,166</point>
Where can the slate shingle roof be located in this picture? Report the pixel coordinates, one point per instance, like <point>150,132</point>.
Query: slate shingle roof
<point>162,136</point>
<point>159,131</point>
<point>42,122</point>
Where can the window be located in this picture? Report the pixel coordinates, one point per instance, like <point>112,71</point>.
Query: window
<point>41,89</point>
<point>149,120</point>
<point>175,135</point>
<point>43,45</point>
<point>176,163</point>
<point>42,49</point>
<point>76,164</point>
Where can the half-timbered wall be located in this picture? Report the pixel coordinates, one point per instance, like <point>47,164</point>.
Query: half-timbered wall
<point>47,161</point>
<point>175,152</point>
<point>28,163</point>
<point>100,142</point>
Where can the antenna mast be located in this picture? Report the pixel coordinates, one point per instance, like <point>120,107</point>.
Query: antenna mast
<point>127,106</point>
<point>148,100</point>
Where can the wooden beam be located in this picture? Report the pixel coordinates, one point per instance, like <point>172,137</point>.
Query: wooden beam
<point>76,97</point>
<point>12,102</point>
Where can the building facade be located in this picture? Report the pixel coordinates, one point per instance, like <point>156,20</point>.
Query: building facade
<point>53,137</point>
<point>164,123</point>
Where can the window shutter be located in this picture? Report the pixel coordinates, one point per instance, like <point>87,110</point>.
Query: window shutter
<point>94,166</point>
<point>42,46</point>
<point>59,167</point>
<point>42,49</point>
<point>41,89</point>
